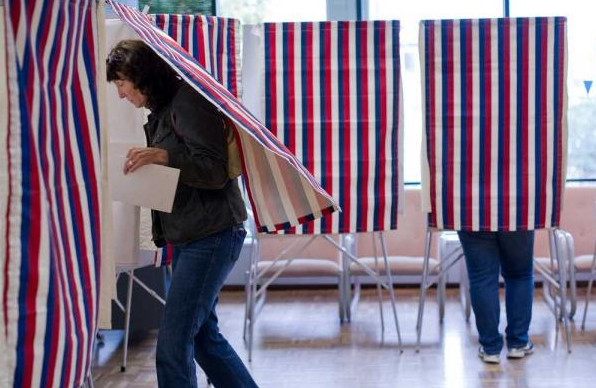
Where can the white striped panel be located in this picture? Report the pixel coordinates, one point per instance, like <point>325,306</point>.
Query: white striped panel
<point>353,127</point>
<point>425,165</point>
<point>335,132</point>
<point>494,126</point>
<point>474,61</point>
<point>298,93</point>
<point>438,125</point>
<point>457,129</point>
<point>513,124</point>
<point>532,123</point>
<point>372,156</point>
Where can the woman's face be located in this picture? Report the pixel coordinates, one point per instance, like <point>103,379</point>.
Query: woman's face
<point>126,89</point>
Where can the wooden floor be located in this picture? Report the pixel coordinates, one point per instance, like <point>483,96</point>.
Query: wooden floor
<point>300,343</point>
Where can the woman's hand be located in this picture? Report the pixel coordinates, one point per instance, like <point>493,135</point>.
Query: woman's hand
<point>138,157</point>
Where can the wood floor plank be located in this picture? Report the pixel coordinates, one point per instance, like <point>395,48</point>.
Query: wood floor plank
<point>299,342</point>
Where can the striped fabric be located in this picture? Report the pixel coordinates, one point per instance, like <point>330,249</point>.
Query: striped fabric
<point>50,265</point>
<point>495,128</point>
<point>281,191</point>
<point>332,94</point>
<point>214,42</point>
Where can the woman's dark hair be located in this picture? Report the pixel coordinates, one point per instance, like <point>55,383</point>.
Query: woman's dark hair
<point>134,61</point>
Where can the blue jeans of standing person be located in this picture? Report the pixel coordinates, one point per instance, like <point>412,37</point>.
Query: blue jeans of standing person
<point>511,254</point>
<point>189,329</point>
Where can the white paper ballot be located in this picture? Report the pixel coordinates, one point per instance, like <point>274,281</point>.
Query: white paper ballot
<point>152,186</point>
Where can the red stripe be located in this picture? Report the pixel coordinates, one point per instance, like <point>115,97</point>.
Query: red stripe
<point>506,124</point>
<point>524,146</point>
<point>200,40</point>
<point>488,126</point>
<point>328,168</point>
<point>450,127</point>
<point>233,83</point>
<point>291,92</point>
<point>543,123</point>
<point>174,24</point>
<point>430,57</point>
<point>347,205</point>
<point>382,101</point>
<point>469,127</point>
<point>272,76</point>
<point>365,123</point>
<point>310,128</point>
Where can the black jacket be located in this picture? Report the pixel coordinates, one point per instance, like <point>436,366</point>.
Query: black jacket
<point>192,130</point>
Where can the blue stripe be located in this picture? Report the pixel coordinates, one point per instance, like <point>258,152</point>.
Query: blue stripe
<point>361,141</point>
<point>483,129</point>
<point>558,45</point>
<point>195,46</point>
<point>26,216</point>
<point>501,151</point>
<point>341,27</point>
<point>395,128</point>
<point>519,152</point>
<point>324,113</point>
<point>463,202</point>
<point>305,99</point>
<point>219,34</point>
<point>170,27</point>
<point>378,145</point>
<point>538,123</point>
<point>268,31</point>
<point>231,64</point>
<point>445,48</point>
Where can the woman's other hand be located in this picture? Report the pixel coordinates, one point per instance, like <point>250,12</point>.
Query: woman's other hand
<point>141,156</point>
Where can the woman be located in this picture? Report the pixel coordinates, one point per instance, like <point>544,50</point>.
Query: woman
<point>185,131</point>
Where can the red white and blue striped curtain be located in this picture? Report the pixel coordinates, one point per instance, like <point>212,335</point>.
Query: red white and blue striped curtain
<point>495,126</point>
<point>213,41</point>
<point>332,94</point>
<point>281,191</point>
<point>51,227</point>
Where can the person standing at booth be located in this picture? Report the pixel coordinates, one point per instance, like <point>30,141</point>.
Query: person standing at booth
<point>205,226</point>
<point>510,254</point>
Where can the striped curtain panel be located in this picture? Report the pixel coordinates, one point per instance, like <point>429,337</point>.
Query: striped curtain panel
<point>333,95</point>
<point>495,128</point>
<point>281,191</point>
<point>51,226</point>
<point>214,42</point>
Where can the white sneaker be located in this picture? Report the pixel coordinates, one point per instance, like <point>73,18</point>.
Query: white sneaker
<point>489,358</point>
<point>521,352</point>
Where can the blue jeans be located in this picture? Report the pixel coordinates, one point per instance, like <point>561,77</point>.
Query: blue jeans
<point>189,329</point>
<point>511,253</point>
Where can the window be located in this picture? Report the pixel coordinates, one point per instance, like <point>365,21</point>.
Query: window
<point>258,11</point>
<point>409,17</point>
<point>581,39</point>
